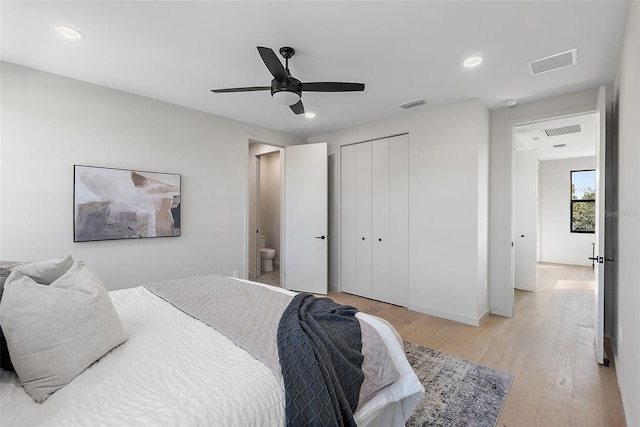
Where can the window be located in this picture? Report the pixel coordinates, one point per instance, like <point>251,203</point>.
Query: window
<point>583,201</point>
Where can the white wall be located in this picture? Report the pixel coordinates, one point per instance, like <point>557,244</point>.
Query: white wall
<point>501,180</point>
<point>557,243</point>
<point>627,346</point>
<point>270,201</point>
<point>448,208</point>
<point>50,123</point>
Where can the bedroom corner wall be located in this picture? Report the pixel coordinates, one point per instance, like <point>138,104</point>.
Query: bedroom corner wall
<point>50,123</point>
<point>448,205</point>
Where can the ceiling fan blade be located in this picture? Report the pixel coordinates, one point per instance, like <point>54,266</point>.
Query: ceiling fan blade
<point>332,87</point>
<point>297,108</point>
<point>273,64</point>
<point>241,89</point>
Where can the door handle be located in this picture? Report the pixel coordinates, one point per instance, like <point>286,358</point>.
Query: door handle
<point>320,237</point>
<point>601,259</point>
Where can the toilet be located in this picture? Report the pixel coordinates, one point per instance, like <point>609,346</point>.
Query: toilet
<point>266,256</point>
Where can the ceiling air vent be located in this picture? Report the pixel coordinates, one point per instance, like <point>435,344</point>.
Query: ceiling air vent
<point>554,62</point>
<point>411,104</point>
<point>565,130</point>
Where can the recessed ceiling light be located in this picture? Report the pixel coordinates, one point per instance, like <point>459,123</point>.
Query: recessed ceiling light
<point>510,102</point>
<point>309,115</point>
<point>69,33</point>
<point>473,61</point>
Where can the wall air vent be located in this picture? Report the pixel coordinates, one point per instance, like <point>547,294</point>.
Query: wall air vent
<point>565,130</point>
<point>554,62</point>
<point>560,146</point>
<point>411,104</point>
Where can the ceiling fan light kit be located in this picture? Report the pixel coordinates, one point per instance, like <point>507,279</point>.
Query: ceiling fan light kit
<point>286,93</point>
<point>285,97</point>
<point>286,89</point>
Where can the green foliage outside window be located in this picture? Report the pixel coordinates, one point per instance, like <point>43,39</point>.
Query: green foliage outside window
<point>583,201</point>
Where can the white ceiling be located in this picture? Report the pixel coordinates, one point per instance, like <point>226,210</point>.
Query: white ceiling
<point>578,144</point>
<point>177,51</point>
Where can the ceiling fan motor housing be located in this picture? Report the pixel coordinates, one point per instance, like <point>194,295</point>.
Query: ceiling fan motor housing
<point>286,93</point>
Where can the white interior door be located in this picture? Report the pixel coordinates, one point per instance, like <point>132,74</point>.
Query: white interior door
<point>525,216</point>
<point>601,116</point>
<point>306,218</point>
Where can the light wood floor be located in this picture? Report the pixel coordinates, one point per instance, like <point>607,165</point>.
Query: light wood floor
<point>548,346</point>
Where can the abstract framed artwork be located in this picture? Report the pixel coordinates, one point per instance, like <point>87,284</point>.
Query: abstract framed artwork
<point>110,204</point>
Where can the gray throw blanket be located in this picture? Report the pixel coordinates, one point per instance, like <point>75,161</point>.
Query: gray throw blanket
<point>319,346</point>
<point>246,314</point>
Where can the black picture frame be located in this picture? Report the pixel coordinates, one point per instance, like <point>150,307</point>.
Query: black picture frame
<point>114,204</point>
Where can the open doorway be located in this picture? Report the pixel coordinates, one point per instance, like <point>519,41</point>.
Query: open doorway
<point>554,199</point>
<point>265,213</point>
<point>571,212</point>
<point>303,211</point>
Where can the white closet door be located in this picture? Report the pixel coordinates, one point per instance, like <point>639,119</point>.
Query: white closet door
<point>399,220</point>
<point>380,219</point>
<point>363,219</point>
<point>348,236</point>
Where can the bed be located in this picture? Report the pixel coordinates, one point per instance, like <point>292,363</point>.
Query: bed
<point>176,370</point>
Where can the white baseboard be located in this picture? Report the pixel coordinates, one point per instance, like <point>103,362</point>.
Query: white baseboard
<point>500,312</point>
<point>467,320</point>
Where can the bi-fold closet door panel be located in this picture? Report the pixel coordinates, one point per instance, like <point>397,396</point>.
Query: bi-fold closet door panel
<point>355,218</point>
<point>374,212</point>
<point>399,220</point>
<point>380,219</point>
<point>363,219</point>
<point>348,236</point>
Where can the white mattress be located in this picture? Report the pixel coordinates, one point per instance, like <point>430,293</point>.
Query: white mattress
<point>175,370</point>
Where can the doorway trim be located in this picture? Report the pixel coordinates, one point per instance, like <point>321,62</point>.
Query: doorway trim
<point>508,292</point>
<point>250,233</point>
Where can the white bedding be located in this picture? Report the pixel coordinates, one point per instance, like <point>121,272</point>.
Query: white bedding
<point>175,370</point>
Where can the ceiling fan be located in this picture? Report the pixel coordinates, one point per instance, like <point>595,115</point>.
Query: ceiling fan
<point>286,89</point>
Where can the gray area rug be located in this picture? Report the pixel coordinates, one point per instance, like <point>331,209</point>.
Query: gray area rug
<point>457,392</point>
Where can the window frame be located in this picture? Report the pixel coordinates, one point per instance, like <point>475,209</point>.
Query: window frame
<point>572,202</point>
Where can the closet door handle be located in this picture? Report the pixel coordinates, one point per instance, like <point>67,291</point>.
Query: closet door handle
<point>320,237</point>
<point>379,240</point>
<point>363,238</point>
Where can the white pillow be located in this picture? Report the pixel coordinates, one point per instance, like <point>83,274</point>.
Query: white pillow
<point>55,332</point>
<point>44,272</point>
